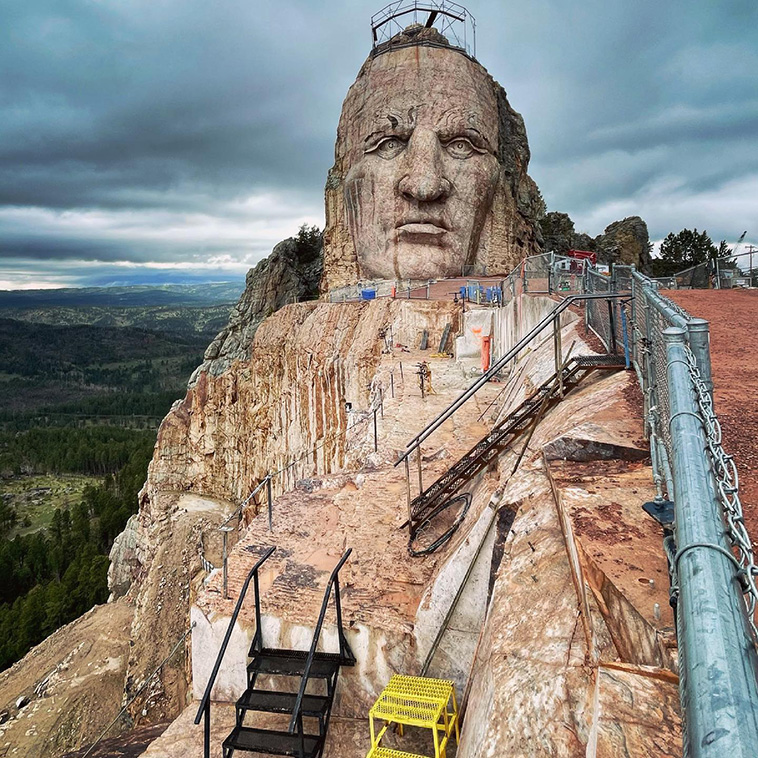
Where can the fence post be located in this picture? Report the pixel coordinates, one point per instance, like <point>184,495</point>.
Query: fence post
<point>612,325</point>
<point>376,440</point>
<point>698,332</point>
<point>270,503</point>
<point>717,657</point>
<point>225,532</point>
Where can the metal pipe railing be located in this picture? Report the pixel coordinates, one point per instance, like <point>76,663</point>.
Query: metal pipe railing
<point>204,710</point>
<point>498,366</point>
<point>718,661</point>
<point>333,581</point>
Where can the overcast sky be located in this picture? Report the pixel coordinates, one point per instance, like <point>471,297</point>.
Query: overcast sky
<point>173,140</point>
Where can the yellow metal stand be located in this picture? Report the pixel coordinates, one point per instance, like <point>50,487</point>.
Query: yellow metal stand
<point>415,701</point>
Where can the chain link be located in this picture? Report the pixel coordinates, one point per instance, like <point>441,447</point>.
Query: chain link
<point>727,486</point>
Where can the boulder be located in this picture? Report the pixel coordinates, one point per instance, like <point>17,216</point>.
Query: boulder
<point>625,242</point>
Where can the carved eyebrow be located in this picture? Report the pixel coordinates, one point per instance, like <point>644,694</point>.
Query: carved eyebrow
<point>462,123</point>
<point>449,133</point>
<point>400,130</point>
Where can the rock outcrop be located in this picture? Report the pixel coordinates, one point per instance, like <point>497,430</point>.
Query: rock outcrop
<point>625,242</point>
<point>290,274</point>
<point>559,235</point>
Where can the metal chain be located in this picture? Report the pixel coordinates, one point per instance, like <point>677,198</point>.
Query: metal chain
<point>727,485</point>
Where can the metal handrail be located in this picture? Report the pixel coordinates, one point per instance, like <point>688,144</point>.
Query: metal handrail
<point>333,581</point>
<point>205,703</point>
<point>498,366</point>
<point>718,660</point>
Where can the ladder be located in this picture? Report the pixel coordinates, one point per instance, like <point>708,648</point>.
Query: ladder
<point>433,499</point>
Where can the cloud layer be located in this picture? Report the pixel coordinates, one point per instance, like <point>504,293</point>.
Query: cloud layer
<point>136,137</point>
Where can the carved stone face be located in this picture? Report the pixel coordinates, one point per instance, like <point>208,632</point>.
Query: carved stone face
<point>421,163</point>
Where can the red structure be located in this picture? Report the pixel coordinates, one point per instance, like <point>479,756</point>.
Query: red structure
<point>583,255</point>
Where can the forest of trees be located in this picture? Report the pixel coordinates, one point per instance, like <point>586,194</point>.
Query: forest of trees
<point>52,576</point>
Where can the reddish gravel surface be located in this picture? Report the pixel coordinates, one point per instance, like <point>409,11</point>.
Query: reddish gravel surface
<point>733,315</point>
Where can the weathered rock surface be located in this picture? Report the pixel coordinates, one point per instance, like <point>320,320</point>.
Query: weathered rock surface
<point>626,242</point>
<point>290,274</point>
<point>306,361</point>
<point>73,682</point>
<point>287,400</point>
<point>483,202</point>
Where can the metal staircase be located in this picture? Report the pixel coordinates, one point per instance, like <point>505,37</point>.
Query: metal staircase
<point>436,497</point>
<point>302,666</point>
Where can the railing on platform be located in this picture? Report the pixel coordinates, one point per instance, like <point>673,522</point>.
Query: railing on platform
<point>345,653</point>
<point>550,321</point>
<point>204,709</point>
<point>716,630</point>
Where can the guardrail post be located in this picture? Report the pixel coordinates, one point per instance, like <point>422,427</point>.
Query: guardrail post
<point>207,730</point>
<point>270,503</point>
<point>717,657</point>
<point>558,351</point>
<point>225,532</point>
<point>418,459</point>
<point>698,331</point>
<point>408,487</point>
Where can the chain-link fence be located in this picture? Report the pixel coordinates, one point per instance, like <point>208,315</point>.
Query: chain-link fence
<point>725,272</point>
<point>603,317</point>
<point>713,566</point>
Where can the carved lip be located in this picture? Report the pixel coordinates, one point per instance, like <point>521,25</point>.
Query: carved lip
<point>415,226</point>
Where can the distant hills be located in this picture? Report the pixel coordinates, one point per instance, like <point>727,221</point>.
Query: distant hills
<point>174,295</point>
<point>188,310</point>
<point>110,352</point>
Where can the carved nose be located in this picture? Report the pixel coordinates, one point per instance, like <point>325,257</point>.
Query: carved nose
<point>424,178</point>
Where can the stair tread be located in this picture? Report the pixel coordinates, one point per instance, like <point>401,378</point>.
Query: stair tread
<point>272,701</point>
<point>460,471</point>
<point>270,741</point>
<point>292,663</point>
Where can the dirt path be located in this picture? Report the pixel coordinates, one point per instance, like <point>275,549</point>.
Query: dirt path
<point>733,315</point>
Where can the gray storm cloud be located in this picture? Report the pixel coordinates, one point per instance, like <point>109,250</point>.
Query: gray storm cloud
<point>147,132</point>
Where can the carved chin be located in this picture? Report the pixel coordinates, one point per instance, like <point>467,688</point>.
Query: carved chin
<point>417,256</point>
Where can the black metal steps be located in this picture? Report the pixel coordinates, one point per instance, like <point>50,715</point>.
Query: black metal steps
<point>302,665</point>
<point>292,663</point>
<point>272,701</point>
<point>601,361</point>
<point>267,741</point>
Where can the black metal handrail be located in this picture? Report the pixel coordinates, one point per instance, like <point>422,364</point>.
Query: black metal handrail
<point>498,366</point>
<point>205,702</point>
<point>345,651</point>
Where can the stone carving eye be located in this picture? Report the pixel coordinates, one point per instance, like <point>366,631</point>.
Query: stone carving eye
<point>461,148</point>
<point>388,147</point>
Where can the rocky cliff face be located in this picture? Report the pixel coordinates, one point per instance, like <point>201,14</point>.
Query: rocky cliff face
<point>292,400</point>
<point>290,274</point>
